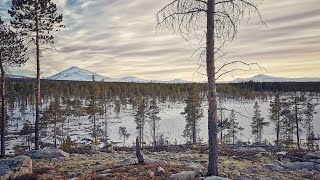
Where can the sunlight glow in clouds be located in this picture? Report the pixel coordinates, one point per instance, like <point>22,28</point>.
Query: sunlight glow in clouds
<point>118,38</point>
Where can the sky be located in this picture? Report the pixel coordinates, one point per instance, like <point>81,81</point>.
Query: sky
<point>117,38</point>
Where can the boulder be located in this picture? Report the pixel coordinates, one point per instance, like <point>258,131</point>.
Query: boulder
<point>160,171</point>
<point>279,163</point>
<point>273,167</point>
<point>303,165</point>
<point>312,155</point>
<point>216,178</point>
<point>150,174</point>
<point>15,167</point>
<point>184,175</point>
<point>195,166</point>
<point>47,153</point>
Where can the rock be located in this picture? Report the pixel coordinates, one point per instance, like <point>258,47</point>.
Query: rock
<point>307,174</point>
<point>312,155</point>
<point>47,153</point>
<point>184,175</point>
<point>260,149</point>
<point>144,151</point>
<point>127,162</point>
<point>160,171</point>
<point>74,175</point>
<point>106,171</point>
<point>279,163</point>
<point>51,171</point>
<point>15,167</point>
<point>273,167</point>
<point>195,166</point>
<point>235,174</point>
<point>303,165</point>
<point>259,155</point>
<point>216,178</point>
<point>253,169</point>
<point>150,174</point>
<point>232,167</point>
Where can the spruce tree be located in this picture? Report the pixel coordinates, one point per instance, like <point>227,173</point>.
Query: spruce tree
<point>36,20</point>
<point>154,119</point>
<point>12,53</point>
<point>234,126</point>
<point>123,133</point>
<point>193,113</point>
<point>140,119</point>
<point>274,116</point>
<point>258,123</point>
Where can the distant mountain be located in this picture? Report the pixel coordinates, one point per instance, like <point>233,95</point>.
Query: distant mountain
<point>265,78</point>
<point>178,81</point>
<point>78,74</point>
<point>131,79</point>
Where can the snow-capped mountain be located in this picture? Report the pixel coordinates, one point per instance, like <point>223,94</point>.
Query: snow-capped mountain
<point>131,79</point>
<point>178,81</point>
<point>265,78</point>
<point>78,74</point>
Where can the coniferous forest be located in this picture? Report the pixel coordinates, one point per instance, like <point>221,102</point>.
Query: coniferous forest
<point>81,125</point>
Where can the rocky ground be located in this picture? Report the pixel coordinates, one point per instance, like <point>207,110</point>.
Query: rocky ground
<point>241,163</point>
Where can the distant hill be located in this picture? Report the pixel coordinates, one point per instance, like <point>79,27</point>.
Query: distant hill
<point>265,78</point>
<point>78,74</point>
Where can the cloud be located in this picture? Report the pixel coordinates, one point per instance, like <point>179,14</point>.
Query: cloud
<point>118,38</point>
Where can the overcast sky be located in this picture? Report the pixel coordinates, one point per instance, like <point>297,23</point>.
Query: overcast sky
<point>118,38</point>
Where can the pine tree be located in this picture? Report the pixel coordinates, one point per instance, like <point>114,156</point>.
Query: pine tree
<point>123,133</point>
<point>36,20</point>
<point>154,119</point>
<point>234,126</point>
<point>93,109</point>
<point>258,123</point>
<point>275,110</point>
<point>12,53</point>
<point>193,113</point>
<point>140,119</point>
<point>55,114</point>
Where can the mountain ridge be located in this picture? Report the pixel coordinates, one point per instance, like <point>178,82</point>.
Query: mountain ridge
<point>75,73</point>
<point>267,78</point>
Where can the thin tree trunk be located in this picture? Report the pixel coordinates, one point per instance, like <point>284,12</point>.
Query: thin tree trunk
<point>221,133</point>
<point>38,97</point>
<point>194,131</point>
<point>297,121</point>
<point>278,123</point>
<point>3,109</point>
<point>212,111</point>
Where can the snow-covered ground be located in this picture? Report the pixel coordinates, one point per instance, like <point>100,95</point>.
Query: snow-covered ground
<point>172,123</point>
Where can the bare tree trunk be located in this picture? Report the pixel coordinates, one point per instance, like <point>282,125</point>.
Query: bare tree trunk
<point>154,134</point>
<point>194,130</point>
<point>38,97</point>
<point>3,109</point>
<point>278,124</point>
<point>297,120</point>
<point>221,133</point>
<point>212,111</point>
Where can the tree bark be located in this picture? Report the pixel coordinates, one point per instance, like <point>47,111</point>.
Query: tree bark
<point>212,111</point>
<point>3,109</point>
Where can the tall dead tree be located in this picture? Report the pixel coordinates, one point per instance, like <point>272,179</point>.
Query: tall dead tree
<point>218,19</point>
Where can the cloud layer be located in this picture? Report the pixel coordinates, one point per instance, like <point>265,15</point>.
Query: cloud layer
<point>118,38</point>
